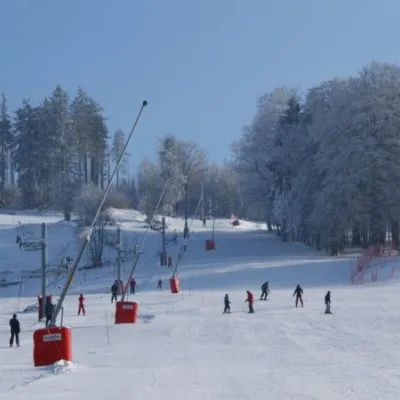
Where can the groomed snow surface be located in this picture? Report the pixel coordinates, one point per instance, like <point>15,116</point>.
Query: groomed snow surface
<point>183,347</point>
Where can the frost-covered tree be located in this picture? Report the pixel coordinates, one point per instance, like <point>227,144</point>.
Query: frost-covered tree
<point>91,132</point>
<point>6,142</point>
<point>87,202</point>
<point>254,151</point>
<point>183,164</point>
<point>328,165</point>
<point>149,185</point>
<point>117,148</point>
<point>27,152</point>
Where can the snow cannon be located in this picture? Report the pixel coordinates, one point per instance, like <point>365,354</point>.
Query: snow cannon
<point>126,312</point>
<point>210,244</point>
<point>174,284</point>
<point>51,345</point>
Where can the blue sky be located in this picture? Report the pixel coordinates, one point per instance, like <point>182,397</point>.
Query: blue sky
<point>201,64</point>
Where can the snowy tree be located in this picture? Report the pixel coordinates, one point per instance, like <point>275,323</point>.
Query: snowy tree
<point>149,185</point>
<point>116,151</point>
<point>86,206</point>
<point>27,152</point>
<point>6,142</point>
<point>253,152</point>
<point>91,132</point>
<point>183,164</point>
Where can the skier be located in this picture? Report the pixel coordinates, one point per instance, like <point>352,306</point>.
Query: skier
<point>132,284</point>
<point>159,284</point>
<point>328,302</point>
<point>298,292</point>
<point>114,292</point>
<point>49,311</point>
<point>169,262</point>
<point>250,300</point>
<point>227,303</point>
<point>264,291</point>
<point>81,305</point>
<point>15,330</point>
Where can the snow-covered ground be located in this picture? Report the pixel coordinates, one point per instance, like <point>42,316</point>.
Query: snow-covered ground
<point>183,347</point>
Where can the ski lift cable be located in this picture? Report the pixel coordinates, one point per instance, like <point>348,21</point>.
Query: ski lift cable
<point>136,260</point>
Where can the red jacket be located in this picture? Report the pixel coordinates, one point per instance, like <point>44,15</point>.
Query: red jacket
<point>81,299</point>
<point>250,297</point>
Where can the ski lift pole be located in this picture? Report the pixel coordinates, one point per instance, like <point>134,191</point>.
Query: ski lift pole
<point>87,236</point>
<point>144,241</point>
<point>184,243</point>
<point>213,229</point>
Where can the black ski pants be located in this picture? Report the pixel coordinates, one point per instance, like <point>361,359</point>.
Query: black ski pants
<point>16,336</point>
<point>264,295</point>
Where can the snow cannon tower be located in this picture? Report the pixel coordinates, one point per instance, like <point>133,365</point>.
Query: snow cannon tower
<point>54,343</point>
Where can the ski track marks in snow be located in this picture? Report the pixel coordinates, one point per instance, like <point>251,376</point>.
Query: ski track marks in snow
<point>183,347</point>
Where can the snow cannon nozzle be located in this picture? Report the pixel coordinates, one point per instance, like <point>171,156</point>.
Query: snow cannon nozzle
<point>144,104</point>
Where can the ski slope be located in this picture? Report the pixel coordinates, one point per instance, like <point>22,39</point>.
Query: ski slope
<point>183,347</point>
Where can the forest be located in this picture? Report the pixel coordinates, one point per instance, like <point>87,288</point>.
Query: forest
<point>318,166</point>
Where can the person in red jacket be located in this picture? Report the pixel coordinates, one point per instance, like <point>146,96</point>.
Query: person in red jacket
<point>250,300</point>
<point>81,305</point>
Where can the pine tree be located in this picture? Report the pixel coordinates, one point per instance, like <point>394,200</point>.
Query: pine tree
<point>116,151</point>
<point>6,141</point>
<point>27,153</point>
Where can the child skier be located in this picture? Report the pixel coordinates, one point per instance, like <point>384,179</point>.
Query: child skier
<point>114,292</point>
<point>49,311</point>
<point>298,292</point>
<point>328,302</point>
<point>264,291</point>
<point>227,308</point>
<point>81,307</point>
<point>250,300</point>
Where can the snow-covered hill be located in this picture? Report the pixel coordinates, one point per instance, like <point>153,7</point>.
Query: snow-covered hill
<point>183,346</point>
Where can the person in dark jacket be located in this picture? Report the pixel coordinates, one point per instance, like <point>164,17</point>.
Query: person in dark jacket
<point>299,295</point>
<point>49,311</point>
<point>15,330</point>
<point>264,291</point>
<point>227,307</point>
<point>114,292</point>
<point>159,284</point>
<point>132,285</point>
<point>328,302</point>
<point>250,300</point>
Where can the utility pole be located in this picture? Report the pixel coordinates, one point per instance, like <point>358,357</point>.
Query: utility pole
<point>163,260</point>
<point>202,202</point>
<point>44,265</point>
<point>186,228</point>
<point>119,258</point>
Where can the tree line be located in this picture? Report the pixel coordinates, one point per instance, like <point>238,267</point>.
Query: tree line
<point>323,166</point>
<point>51,152</point>
<point>58,154</point>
